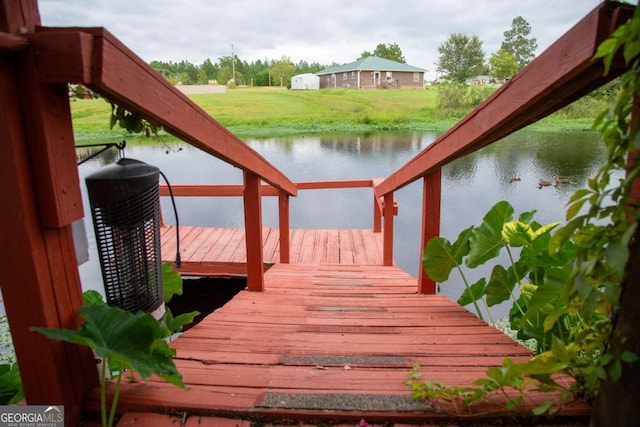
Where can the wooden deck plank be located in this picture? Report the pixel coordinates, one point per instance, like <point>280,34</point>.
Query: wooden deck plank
<point>271,249</point>
<point>216,251</point>
<point>347,250</point>
<point>327,332</point>
<point>204,248</point>
<point>207,246</point>
<point>191,244</point>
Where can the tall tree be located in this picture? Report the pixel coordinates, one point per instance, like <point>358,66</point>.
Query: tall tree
<point>210,69</point>
<point>282,71</point>
<point>461,57</point>
<point>517,43</point>
<point>389,51</point>
<point>502,65</point>
<point>304,67</point>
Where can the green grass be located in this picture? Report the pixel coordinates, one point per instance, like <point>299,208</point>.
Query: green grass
<point>265,112</point>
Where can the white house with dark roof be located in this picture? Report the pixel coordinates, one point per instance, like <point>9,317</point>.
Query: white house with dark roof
<point>372,72</point>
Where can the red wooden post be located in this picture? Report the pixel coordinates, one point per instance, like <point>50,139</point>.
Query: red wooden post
<point>387,251</point>
<point>253,231</point>
<point>430,224</point>
<point>377,215</point>
<point>40,281</point>
<point>283,219</point>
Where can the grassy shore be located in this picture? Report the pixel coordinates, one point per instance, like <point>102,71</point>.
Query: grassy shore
<point>268,112</point>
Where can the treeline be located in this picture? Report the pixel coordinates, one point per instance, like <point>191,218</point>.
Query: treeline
<point>455,100</point>
<point>232,71</point>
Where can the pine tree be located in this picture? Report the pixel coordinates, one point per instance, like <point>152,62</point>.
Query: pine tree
<point>517,43</point>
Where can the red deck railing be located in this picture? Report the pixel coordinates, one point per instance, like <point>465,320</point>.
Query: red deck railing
<point>204,190</point>
<point>40,281</point>
<point>563,73</point>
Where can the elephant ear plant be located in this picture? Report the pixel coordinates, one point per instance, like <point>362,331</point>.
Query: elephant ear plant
<point>126,342</point>
<point>531,281</point>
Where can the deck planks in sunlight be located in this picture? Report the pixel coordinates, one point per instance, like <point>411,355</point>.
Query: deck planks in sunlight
<point>330,342</point>
<point>220,251</point>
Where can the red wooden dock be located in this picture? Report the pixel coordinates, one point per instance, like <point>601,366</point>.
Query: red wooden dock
<point>322,342</point>
<point>329,343</point>
<point>207,251</point>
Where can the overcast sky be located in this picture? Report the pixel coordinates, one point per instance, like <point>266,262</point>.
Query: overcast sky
<point>323,31</point>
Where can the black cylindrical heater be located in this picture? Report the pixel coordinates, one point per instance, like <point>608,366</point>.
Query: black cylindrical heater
<point>125,206</point>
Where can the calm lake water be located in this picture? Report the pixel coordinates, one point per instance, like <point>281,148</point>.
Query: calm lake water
<point>471,185</point>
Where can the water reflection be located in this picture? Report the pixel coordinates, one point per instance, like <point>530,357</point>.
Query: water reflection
<point>471,185</point>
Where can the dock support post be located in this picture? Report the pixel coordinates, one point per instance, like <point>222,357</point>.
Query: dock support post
<point>387,251</point>
<point>40,280</point>
<point>253,231</point>
<point>283,218</point>
<point>432,189</point>
<point>377,207</point>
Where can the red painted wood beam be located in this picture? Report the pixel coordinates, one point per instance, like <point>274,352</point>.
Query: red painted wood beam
<point>431,203</point>
<point>94,57</point>
<point>53,157</point>
<point>559,76</point>
<point>253,232</point>
<point>40,283</point>
<point>203,190</point>
<point>284,227</point>
<point>387,250</point>
<point>13,43</point>
<point>323,185</point>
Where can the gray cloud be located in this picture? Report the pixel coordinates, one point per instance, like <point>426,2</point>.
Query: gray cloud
<point>315,31</point>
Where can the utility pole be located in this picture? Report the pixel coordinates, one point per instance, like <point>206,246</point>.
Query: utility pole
<point>233,64</point>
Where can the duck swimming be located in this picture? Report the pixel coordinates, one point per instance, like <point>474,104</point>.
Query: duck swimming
<point>562,180</point>
<point>514,179</point>
<point>543,183</point>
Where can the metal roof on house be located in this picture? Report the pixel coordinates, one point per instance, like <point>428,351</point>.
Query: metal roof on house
<point>371,63</point>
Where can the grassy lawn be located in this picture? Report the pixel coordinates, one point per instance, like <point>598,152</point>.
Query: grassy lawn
<point>277,111</point>
<point>256,112</point>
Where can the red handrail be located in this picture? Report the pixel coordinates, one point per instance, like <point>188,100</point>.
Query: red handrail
<point>563,73</point>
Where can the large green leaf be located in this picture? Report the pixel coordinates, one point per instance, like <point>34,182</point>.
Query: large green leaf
<point>500,286</point>
<point>517,234</point>
<point>473,293</point>
<point>527,217</point>
<point>440,256</point>
<point>544,300</point>
<point>92,297</point>
<point>171,281</point>
<point>125,340</point>
<point>438,259</point>
<point>177,324</point>
<point>486,239</point>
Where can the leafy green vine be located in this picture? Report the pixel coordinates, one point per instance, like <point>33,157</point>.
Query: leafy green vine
<point>570,280</point>
<point>132,122</point>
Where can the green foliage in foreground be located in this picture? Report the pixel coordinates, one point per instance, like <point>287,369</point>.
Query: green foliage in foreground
<point>537,274</point>
<point>10,383</point>
<point>571,277</point>
<point>126,342</point>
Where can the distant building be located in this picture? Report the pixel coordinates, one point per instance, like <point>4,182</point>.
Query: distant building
<point>372,72</point>
<point>479,80</point>
<point>305,82</point>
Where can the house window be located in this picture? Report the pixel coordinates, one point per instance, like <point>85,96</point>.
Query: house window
<point>333,78</point>
<point>353,75</point>
<point>389,75</point>
<point>416,77</point>
<point>344,76</point>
